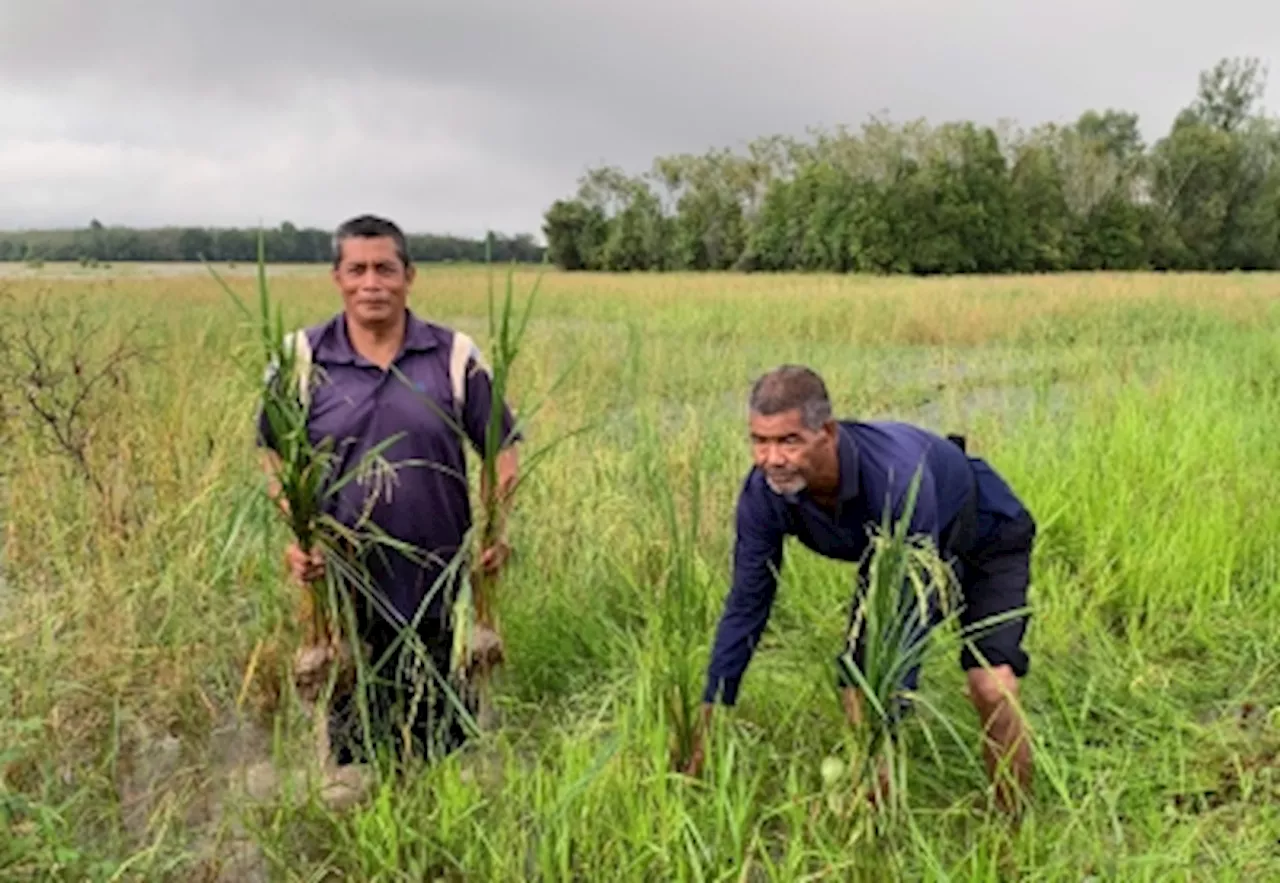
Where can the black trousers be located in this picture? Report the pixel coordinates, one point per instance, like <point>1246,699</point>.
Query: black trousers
<point>994,580</point>
<point>412,710</point>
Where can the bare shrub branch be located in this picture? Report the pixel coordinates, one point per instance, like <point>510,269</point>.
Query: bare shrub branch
<point>63,373</point>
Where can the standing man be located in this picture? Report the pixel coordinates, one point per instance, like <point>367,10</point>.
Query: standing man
<point>825,482</point>
<point>376,362</point>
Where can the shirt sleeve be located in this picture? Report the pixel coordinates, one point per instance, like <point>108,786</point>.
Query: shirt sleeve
<point>265,436</point>
<point>478,408</point>
<point>757,560</point>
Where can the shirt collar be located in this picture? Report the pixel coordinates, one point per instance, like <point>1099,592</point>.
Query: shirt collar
<point>847,452</point>
<point>419,336</point>
<point>334,346</point>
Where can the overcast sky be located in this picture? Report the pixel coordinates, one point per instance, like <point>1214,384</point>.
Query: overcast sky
<point>462,116</point>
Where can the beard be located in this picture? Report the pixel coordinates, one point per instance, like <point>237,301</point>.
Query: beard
<point>785,483</point>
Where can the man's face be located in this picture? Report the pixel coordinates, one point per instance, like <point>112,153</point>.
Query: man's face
<point>373,281</point>
<point>789,453</point>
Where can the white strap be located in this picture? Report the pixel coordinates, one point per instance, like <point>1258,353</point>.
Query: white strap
<point>301,345</point>
<point>464,350</point>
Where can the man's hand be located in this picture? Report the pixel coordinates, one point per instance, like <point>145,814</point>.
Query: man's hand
<point>303,567</point>
<point>493,558</point>
<point>697,756</point>
<point>851,699</point>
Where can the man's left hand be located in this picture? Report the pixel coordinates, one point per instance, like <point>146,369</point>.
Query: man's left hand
<point>494,557</point>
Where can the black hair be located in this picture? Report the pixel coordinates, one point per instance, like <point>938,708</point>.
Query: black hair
<point>370,227</point>
<point>789,388</point>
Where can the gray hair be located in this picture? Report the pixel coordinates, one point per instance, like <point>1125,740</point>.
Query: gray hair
<point>370,227</point>
<point>789,388</point>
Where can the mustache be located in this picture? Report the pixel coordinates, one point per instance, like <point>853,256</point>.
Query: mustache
<point>781,478</point>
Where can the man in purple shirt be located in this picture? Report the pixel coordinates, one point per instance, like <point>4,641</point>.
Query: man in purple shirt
<point>825,482</point>
<point>377,364</point>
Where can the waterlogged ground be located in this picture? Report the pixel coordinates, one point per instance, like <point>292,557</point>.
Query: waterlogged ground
<point>145,619</point>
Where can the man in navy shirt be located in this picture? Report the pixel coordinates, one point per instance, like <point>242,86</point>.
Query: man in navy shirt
<point>825,482</point>
<point>376,362</point>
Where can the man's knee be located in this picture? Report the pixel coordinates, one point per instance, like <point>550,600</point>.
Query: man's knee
<point>990,687</point>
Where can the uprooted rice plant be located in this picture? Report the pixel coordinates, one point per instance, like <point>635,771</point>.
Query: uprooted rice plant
<point>1136,415</point>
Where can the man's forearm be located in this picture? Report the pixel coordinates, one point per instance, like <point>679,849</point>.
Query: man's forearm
<point>271,467</point>
<point>508,469</point>
<point>852,701</point>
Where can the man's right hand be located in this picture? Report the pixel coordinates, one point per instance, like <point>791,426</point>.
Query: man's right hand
<point>697,756</point>
<point>305,568</point>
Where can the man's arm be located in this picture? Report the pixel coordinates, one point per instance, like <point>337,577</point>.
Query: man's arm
<point>269,455</point>
<point>508,470</point>
<point>305,566</point>
<point>508,467</point>
<point>476,416</point>
<point>757,560</point>
<point>271,469</point>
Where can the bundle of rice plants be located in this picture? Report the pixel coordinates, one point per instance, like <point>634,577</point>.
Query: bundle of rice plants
<point>904,587</point>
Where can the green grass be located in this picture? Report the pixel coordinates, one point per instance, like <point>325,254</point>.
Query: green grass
<point>1136,415</point>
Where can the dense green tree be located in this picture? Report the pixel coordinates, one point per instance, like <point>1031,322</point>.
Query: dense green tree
<point>708,192</point>
<point>195,242</point>
<point>575,234</point>
<point>956,198</point>
<point>638,236</point>
<point>1039,218</point>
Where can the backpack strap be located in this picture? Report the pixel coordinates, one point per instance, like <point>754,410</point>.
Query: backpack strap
<point>301,347</point>
<point>463,351</point>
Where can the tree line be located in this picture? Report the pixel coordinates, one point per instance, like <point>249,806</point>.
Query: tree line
<point>284,244</point>
<point>953,198</point>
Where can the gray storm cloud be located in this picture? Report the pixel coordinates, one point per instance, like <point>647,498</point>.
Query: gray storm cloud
<point>462,116</point>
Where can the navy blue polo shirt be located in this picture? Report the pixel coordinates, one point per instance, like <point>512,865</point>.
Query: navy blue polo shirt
<point>877,463</point>
<point>358,406</point>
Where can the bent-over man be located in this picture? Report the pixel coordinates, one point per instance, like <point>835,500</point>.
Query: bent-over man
<point>825,482</point>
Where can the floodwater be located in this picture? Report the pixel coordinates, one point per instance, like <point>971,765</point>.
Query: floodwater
<point>918,386</point>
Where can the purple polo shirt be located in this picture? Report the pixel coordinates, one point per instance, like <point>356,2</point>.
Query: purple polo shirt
<point>358,406</point>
